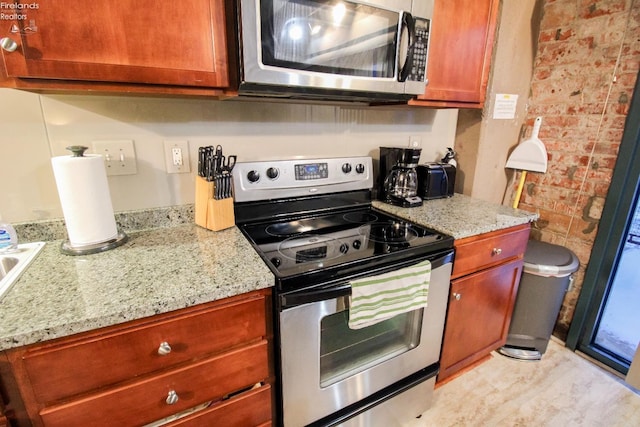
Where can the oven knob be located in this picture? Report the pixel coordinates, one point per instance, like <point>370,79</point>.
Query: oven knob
<point>346,168</point>
<point>253,176</point>
<point>344,248</point>
<point>276,262</point>
<point>272,173</point>
<point>360,168</point>
<point>357,244</point>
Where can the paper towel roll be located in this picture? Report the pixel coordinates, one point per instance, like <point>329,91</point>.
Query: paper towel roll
<point>86,202</point>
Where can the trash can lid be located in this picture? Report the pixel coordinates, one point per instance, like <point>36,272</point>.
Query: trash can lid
<point>547,259</point>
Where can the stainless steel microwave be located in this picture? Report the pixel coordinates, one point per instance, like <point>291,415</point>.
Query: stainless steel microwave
<point>345,50</point>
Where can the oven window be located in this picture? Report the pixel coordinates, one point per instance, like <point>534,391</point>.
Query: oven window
<point>345,352</point>
<point>344,37</point>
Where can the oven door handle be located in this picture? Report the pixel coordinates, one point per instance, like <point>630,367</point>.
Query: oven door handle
<point>342,289</point>
<point>315,295</point>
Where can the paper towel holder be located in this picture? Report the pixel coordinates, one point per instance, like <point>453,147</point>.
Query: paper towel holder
<point>68,249</point>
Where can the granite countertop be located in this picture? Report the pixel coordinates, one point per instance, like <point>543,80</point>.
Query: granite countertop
<point>173,266</point>
<point>461,216</point>
<point>156,271</point>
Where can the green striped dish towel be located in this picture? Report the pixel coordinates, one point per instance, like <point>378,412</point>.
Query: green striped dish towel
<point>377,298</point>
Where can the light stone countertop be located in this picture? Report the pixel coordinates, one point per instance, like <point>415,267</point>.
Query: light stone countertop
<point>175,266</point>
<point>156,271</point>
<point>461,216</point>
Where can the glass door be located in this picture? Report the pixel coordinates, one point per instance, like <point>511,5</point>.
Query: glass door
<point>606,324</point>
<point>345,352</point>
<point>617,331</point>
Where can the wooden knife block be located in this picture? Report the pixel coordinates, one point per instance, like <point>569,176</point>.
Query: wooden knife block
<point>211,213</point>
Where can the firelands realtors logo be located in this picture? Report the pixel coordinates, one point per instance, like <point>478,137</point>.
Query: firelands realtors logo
<point>14,11</point>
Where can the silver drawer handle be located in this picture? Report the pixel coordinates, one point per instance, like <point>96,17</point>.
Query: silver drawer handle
<point>457,296</point>
<point>496,251</point>
<point>172,397</point>
<point>164,348</point>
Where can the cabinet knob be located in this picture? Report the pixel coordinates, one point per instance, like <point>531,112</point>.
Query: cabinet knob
<point>8,44</point>
<point>496,251</point>
<point>457,296</point>
<point>172,397</point>
<point>164,348</point>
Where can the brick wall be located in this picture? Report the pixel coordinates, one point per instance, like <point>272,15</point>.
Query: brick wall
<point>582,45</point>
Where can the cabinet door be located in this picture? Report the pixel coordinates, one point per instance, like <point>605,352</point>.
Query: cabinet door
<point>479,314</point>
<point>461,44</point>
<point>142,41</point>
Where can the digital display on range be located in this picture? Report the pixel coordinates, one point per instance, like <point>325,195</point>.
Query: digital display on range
<point>311,254</point>
<point>312,171</point>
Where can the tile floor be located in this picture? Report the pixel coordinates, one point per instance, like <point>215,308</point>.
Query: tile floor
<point>563,389</point>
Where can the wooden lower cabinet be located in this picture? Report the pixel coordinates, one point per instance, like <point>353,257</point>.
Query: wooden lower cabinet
<point>185,368</point>
<point>252,408</point>
<point>480,308</point>
<point>481,299</point>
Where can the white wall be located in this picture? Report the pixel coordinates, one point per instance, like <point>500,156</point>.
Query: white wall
<point>37,127</point>
<point>484,143</point>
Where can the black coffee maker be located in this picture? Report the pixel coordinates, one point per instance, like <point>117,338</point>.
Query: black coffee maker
<point>397,177</point>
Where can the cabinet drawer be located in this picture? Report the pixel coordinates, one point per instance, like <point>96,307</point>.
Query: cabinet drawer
<point>252,408</point>
<point>144,401</point>
<point>479,252</point>
<point>96,360</point>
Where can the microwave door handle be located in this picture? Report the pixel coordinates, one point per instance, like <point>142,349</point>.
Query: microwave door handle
<point>408,23</point>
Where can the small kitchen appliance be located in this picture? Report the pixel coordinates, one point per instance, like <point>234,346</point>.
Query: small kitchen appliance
<point>397,177</point>
<point>350,50</point>
<point>312,223</point>
<point>436,180</point>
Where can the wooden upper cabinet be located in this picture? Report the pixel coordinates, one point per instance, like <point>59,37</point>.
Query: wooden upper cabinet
<point>142,42</point>
<point>461,44</point>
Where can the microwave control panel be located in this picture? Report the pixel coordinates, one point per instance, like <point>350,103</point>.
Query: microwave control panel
<point>420,51</point>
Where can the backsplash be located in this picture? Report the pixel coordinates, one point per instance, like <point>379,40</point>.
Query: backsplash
<point>130,221</point>
<point>43,125</point>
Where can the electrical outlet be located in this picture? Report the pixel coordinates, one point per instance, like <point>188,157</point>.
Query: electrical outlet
<point>176,156</point>
<point>415,141</point>
<point>119,156</point>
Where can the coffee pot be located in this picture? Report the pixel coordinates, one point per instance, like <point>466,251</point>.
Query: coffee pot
<point>402,182</point>
<point>400,178</point>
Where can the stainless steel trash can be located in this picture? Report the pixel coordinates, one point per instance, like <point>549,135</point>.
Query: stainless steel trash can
<point>547,274</point>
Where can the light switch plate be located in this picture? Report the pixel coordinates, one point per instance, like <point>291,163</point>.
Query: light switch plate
<point>176,156</point>
<point>119,156</point>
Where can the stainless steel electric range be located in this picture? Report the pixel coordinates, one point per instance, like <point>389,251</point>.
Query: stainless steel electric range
<point>313,224</point>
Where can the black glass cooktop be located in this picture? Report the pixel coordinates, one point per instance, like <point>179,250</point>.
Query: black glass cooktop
<point>325,243</point>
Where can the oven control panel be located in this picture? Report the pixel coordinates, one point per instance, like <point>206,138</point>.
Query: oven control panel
<point>266,180</point>
<point>311,171</point>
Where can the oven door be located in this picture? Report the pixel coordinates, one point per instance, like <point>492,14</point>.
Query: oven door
<point>326,366</point>
<point>352,45</point>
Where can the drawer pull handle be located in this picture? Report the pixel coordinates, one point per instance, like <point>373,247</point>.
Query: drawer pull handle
<point>172,397</point>
<point>164,348</point>
<point>496,251</point>
<point>457,296</point>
